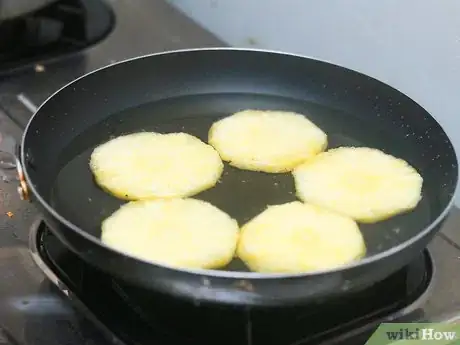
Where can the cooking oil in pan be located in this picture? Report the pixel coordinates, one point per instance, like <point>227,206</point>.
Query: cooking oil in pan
<point>242,194</point>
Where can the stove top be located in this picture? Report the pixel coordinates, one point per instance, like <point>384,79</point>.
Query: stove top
<point>71,308</point>
<point>62,28</point>
<point>131,316</point>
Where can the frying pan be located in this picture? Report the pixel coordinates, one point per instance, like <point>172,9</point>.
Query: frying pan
<point>187,91</point>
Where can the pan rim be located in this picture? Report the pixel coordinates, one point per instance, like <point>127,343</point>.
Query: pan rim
<point>236,274</point>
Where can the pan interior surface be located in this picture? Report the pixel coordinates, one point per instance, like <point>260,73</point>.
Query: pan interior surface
<point>242,194</point>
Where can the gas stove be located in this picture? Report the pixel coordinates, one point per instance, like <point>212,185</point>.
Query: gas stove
<point>50,297</point>
<point>132,316</point>
<point>62,28</point>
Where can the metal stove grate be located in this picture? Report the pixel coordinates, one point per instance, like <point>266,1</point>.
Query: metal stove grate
<point>127,315</point>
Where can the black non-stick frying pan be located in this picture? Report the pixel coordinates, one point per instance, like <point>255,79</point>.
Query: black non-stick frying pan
<point>187,91</point>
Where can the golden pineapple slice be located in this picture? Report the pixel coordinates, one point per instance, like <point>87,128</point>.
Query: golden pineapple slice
<point>183,233</point>
<point>152,165</point>
<point>297,237</point>
<point>268,141</point>
<point>362,183</point>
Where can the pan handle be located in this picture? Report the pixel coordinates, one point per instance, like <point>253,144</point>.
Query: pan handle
<point>9,160</point>
<point>9,148</point>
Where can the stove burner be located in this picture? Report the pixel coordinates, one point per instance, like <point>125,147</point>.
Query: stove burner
<point>62,28</point>
<point>129,315</point>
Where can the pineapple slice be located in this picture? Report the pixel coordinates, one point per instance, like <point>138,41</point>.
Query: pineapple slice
<point>362,183</point>
<point>267,141</point>
<point>152,165</point>
<point>183,233</point>
<point>297,237</point>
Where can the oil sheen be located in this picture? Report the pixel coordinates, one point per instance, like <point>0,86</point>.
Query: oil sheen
<point>242,194</point>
